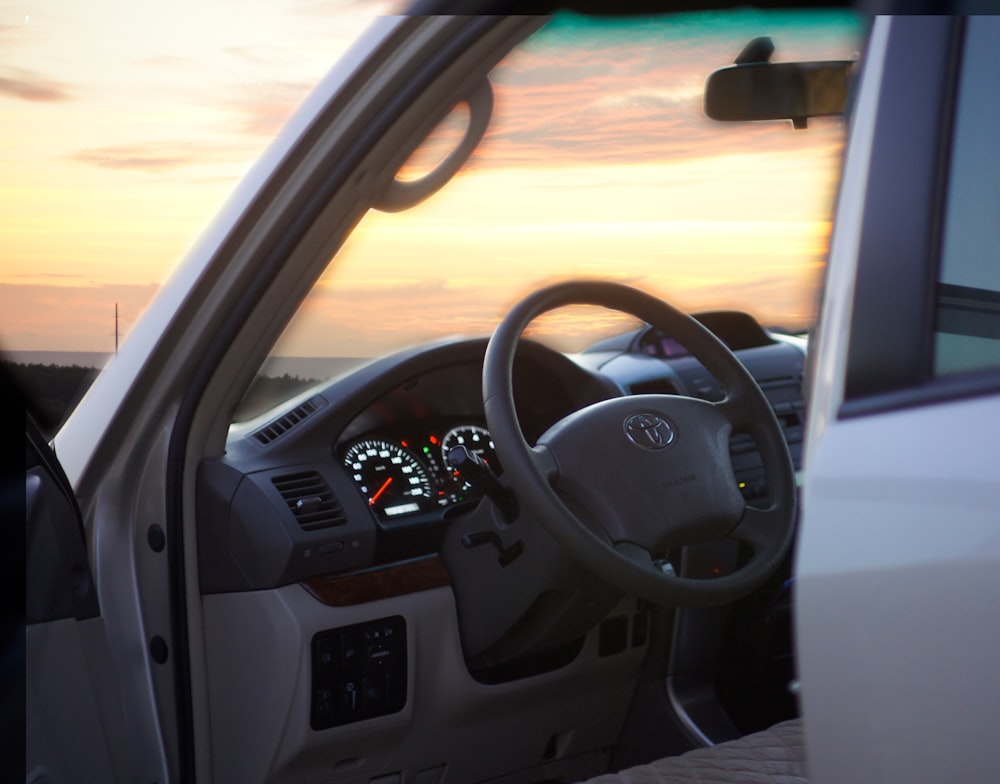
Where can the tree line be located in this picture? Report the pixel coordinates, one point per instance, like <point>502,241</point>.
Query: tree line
<point>51,392</point>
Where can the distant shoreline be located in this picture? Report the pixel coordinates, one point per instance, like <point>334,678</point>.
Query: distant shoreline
<point>302,367</point>
<point>84,359</point>
<point>53,382</point>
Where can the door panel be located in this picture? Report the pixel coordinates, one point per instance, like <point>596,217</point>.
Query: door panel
<point>898,558</point>
<point>73,717</point>
<point>898,574</point>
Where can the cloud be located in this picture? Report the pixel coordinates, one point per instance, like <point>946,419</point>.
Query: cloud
<point>250,53</point>
<point>610,126</point>
<point>155,157</point>
<point>601,98</point>
<point>141,157</point>
<point>264,110</point>
<point>377,315</point>
<point>646,100</point>
<point>605,114</point>
<point>164,60</point>
<point>30,86</point>
<point>372,316</point>
<point>787,301</point>
<point>327,9</point>
<point>66,278</point>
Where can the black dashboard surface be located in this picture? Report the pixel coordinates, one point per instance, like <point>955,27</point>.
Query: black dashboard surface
<point>354,473</point>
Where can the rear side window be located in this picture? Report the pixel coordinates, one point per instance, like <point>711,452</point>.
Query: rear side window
<point>967,299</point>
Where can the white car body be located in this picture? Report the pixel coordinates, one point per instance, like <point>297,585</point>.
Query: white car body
<point>897,562</point>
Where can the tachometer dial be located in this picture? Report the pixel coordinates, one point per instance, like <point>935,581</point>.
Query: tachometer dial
<point>391,479</point>
<point>476,439</point>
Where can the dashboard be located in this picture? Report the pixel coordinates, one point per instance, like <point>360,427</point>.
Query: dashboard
<point>405,471</point>
<point>332,595</point>
<point>354,473</point>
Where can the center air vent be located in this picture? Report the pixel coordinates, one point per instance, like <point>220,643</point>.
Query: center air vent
<point>310,499</point>
<point>284,423</point>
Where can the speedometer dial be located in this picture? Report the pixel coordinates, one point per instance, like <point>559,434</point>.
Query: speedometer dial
<point>476,439</point>
<point>391,479</point>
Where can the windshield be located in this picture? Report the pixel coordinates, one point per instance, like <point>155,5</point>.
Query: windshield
<point>598,162</point>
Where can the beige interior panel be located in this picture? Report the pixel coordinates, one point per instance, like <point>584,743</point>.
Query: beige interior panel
<point>452,728</point>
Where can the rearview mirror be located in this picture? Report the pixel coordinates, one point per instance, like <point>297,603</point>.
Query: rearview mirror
<point>778,91</point>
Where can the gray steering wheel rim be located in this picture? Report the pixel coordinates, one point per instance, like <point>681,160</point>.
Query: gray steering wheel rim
<point>770,530</point>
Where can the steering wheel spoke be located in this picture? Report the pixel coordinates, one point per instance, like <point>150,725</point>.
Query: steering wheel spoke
<point>636,554</point>
<point>545,463</point>
<point>756,528</point>
<point>738,410</point>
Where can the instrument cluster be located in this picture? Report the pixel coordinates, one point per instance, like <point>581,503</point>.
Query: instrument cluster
<point>405,472</point>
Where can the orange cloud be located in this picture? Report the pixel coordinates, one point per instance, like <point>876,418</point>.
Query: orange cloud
<point>30,86</point>
<point>146,156</point>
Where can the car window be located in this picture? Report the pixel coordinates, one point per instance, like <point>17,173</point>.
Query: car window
<point>968,291</point>
<point>598,162</point>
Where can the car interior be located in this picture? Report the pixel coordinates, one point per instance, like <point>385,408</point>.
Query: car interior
<point>478,558</point>
<point>345,545</point>
<point>467,445</point>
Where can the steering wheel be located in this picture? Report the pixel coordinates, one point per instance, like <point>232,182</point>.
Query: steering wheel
<point>619,481</point>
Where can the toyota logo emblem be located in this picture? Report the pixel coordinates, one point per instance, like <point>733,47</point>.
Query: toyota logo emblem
<point>649,431</point>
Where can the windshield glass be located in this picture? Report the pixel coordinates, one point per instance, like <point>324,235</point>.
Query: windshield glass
<point>598,162</point>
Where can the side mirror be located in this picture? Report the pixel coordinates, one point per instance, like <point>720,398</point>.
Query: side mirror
<point>778,91</point>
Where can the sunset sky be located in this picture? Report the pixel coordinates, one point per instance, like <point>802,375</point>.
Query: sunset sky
<point>126,125</point>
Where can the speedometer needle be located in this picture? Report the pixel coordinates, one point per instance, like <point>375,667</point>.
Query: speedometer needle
<point>374,498</point>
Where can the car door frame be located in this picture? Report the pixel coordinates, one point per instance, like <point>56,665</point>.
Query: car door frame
<point>135,441</point>
<point>897,554</point>
<point>73,719</point>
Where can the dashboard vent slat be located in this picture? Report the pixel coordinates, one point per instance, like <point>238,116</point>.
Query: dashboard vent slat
<point>284,423</point>
<point>310,500</point>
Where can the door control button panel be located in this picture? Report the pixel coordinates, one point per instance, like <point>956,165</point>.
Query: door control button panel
<point>358,672</point>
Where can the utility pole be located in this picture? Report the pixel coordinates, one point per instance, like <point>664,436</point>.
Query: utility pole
<point>116,328</point>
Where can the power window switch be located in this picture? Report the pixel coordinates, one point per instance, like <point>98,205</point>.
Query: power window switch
<point>375,693</point>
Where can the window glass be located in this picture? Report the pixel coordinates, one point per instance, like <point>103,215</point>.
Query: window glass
<point>968,292</point>
<point>598,162</point>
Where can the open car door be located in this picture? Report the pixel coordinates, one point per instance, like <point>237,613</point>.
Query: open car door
<point>73,718</point>
<point>898,553</point>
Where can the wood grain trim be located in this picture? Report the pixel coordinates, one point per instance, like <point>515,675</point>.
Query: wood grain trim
<point>382,582</point>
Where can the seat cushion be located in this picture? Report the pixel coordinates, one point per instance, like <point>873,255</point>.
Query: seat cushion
<point>773,756</point>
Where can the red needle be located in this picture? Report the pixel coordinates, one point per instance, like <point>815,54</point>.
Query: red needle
<point>374,498</point>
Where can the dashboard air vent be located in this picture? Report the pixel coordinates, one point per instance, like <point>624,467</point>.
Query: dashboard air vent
<point>310,499</point>
<point>284,423</point>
